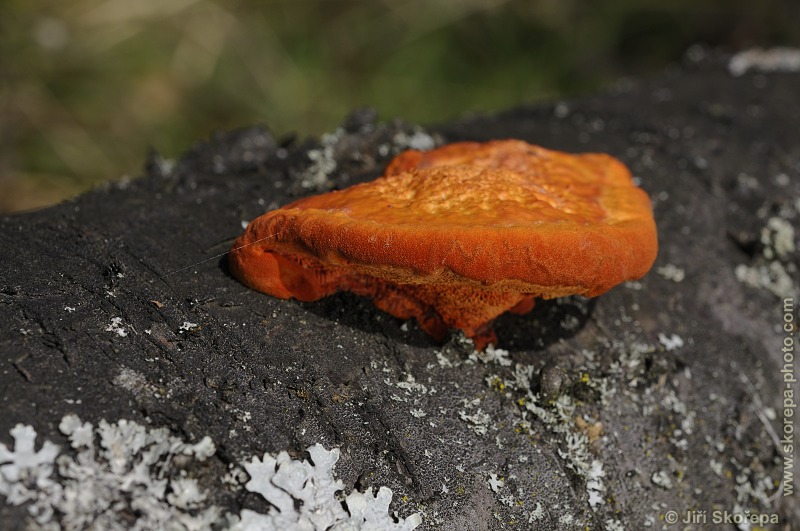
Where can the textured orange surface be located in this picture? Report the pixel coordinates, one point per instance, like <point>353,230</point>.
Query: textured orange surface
<point>458,235</point>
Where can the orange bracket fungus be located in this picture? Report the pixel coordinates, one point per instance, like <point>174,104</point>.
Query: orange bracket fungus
<point>456,236</point>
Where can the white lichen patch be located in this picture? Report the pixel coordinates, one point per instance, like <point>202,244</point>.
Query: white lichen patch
<point>116,327</point>
<point>536,514</point>
<point>558,416</point>
<point>478,421</point>
<point>774,271</point>
<point>25,474</point>
<point>323,162</point>
<point>187,327</point>
<point>303,494</point>
<point>594,484</point>
<point>576,453</point>
<point>671,401</point>
<point>778,238</point>
<point>444,361</point>
<point>418,139</point>
<point>410,386</point>
<point>120,469</point>
<point>688,423</point>
<point>661,479</point>
<point>613,524</point>
<point>670,343</point>
<point>492,355</point>
<point>671,272</point>
<point>495,482</point>
<point>778,59</point>
<point>566,519</point>
<point>772,277</point>
<point>753,486</point>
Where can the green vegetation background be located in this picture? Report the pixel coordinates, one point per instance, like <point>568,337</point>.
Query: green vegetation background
<point>88,86</point>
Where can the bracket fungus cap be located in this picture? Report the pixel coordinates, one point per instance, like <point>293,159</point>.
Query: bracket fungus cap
<point>458,235</point>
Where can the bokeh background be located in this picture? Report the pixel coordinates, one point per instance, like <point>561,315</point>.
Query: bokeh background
<point>87,87</point>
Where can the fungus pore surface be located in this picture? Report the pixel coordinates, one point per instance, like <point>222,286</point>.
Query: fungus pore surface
<point>458,235</point>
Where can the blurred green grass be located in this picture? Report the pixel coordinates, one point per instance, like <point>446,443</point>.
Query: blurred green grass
<point>87,87</point>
